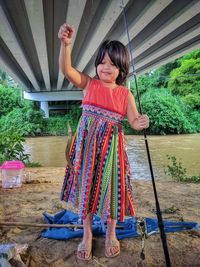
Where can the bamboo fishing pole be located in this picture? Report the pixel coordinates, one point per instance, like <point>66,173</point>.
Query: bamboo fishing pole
<point>45,225</point>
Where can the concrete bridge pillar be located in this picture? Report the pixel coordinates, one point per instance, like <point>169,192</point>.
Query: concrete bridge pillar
<point>129,84</point>
<point>44,105</point>
<point>44,97</point>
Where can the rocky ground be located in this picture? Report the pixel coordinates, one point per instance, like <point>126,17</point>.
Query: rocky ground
<point>40,193</point>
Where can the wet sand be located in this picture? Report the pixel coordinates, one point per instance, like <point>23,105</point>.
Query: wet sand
<point>178,201</point>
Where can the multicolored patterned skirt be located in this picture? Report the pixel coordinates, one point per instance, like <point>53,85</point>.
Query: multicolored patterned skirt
<point>99,182</point>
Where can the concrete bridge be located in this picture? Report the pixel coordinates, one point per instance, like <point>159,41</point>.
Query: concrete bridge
<point>160,31</point>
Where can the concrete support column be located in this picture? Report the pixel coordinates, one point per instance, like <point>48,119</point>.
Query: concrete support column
<point>44,105</point>
<point>129,84</point>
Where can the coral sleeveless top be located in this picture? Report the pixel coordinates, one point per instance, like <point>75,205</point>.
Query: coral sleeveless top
<point>101,96</point>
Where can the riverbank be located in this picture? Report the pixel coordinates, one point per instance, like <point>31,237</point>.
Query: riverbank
<point>41,193</point>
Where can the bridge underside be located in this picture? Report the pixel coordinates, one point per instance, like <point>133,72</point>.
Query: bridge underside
<point>160,31</point>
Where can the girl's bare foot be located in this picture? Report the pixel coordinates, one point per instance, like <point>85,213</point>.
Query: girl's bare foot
<point>84,251</point>
<point>112,246</point>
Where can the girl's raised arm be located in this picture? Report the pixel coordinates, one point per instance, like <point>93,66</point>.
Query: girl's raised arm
<point>76,77</point>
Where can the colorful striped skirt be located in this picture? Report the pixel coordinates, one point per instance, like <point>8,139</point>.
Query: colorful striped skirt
<point>99,181</point>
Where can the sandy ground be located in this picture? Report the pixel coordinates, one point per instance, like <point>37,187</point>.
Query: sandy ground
<point>178,201</point>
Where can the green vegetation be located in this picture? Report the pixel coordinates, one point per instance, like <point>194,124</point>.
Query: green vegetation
<point>178,173</point>
<point>9,99</point>
<point>185,80</point>
<point>168,114</point>
<point>58,125</point>
<point>170,95</point>
<point>33,164</point>
<point>25,121</point>
<point>19,115</point>
<point>11,147</point>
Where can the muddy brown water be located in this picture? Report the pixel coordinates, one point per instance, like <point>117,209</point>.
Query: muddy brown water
<point>49,151</point>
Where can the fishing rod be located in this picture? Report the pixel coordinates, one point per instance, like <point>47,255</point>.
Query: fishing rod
<point>158,210</point>
<point>46,225</point>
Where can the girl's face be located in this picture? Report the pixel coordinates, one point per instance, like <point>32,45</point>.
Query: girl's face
<point>107,71</point>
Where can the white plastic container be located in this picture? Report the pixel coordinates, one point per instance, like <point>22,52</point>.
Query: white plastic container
<point>12,174</point>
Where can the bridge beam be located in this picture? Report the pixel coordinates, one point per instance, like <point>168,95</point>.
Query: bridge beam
<point>54,96</point>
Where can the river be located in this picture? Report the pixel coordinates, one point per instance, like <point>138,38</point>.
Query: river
<point>49,151</point>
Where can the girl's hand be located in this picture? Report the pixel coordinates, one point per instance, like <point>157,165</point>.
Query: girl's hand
<point>66,33</point>
<point>143,122</point>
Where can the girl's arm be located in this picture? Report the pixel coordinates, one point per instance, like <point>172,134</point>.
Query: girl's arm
<point>137,121</point>
<point>79,79</point>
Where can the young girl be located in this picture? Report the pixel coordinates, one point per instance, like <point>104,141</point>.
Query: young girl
<point>98,178</point>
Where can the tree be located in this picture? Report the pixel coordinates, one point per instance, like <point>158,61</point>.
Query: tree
<point>9,99</point>
<point>185,80</point>
<point>156,79</point>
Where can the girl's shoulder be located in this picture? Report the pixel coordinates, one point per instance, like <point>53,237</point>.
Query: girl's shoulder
<point>123,90</point>
<point>122,87</point>
<point>92,82</point>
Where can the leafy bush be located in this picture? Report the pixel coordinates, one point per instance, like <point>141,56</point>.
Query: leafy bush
<point>167,113</point>
<point>24,121</point>
<point>11,147</point>
<point>57,125</point>
<point>194,118</point>
<point>178,172</point>
<point>193,100</point>
<point>9,99</point>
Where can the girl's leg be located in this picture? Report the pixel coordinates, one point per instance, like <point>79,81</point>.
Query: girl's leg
<point>84,248</point>
<point>112,244</point>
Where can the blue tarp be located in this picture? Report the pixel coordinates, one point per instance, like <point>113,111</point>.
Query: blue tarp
<point>129,229</point>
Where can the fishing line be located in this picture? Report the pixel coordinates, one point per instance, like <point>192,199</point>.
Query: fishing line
<point>158,211</point>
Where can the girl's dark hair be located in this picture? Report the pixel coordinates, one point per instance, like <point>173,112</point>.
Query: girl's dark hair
<point>118,55</point>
